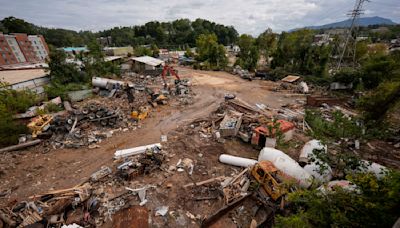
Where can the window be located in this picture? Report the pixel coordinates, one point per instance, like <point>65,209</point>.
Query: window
<point>260,172</point>
<point>4,55</point>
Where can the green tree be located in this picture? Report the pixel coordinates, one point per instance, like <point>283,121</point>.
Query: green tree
<point>16,25</point>
<point>267,42</point>
<point>210,52</point>
<point>61,71</point>
<point>296,53</point>
<point>141,51</point>
<point>249,55</point>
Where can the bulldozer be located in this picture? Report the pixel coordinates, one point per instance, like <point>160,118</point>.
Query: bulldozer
<point>39,124</point>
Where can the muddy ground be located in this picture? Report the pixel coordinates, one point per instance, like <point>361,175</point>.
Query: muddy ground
<point>36,170</point>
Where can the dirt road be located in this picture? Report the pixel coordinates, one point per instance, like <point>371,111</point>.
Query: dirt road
<point>25,173</point>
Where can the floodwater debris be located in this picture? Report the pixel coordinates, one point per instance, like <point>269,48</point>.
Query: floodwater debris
<point>161,211</point>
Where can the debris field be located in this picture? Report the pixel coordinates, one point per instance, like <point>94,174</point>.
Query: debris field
<point>143,154</point>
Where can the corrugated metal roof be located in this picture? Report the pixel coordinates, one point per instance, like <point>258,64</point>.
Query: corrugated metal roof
<point>148,60</point>
<point>17,76</point>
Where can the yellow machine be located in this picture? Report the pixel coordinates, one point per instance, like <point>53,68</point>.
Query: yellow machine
<point>39,123</point>
<point>267,175</point>
<point>140,114</point>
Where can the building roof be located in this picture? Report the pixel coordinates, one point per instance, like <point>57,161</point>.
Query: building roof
<point>148,60</point>
<point>112,58</point>
<point>290,78</point>
<point>78,49</point>
<point>24,66</point>
<point>16,76</point>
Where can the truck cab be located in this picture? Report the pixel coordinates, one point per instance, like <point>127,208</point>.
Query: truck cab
<point>267,175</point>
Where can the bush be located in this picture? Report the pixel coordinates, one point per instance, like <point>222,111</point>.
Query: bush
<point>374,204</point>
<point>12,102</point>
<point>58,90</point>
<point>346,75</point>
<point>17,101</point>
<point>340,127</point>
<point>376,103</point>
<point>9,129</point>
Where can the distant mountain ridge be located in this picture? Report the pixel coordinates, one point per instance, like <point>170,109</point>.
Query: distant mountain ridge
<point>365,21</point>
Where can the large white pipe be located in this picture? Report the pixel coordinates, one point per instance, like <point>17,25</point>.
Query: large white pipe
<point>287,165</point>
<point>236,161</point>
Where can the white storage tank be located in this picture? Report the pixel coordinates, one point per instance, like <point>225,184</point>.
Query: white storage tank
<point>287,165</point>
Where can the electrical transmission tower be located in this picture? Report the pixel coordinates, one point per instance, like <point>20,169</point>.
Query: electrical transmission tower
<point>351,36</point>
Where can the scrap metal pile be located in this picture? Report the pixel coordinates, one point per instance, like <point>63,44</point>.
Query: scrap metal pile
<point>85,126</point>
<point>91,203</point>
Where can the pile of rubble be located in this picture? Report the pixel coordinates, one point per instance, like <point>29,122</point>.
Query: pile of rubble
<point>85,126</point>
<point>93,202</point>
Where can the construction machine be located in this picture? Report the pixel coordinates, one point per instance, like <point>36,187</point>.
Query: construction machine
<point>171,72</point>
<point>39,124</point>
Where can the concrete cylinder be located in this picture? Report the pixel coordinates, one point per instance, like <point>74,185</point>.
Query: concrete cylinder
<point>236,161</point>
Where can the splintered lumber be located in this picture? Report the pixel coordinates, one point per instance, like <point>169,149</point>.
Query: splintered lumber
<point>220,178</point>
<point>7,219</point>
<point>68,191</point>
<point>221,212</point>
<point>20,146</point>
<point>238,176</point>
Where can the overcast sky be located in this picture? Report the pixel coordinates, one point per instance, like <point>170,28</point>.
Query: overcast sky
<point>247,16</point>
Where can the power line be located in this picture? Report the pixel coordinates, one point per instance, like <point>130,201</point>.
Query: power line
<point>352,32</point>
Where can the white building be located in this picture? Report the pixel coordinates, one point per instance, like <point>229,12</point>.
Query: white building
<point>38,46</point>
<point>12,42</point>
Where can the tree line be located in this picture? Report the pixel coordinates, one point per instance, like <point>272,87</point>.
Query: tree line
<point>177,33</point>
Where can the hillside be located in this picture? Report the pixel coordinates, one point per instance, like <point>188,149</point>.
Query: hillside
<point>365,21</point>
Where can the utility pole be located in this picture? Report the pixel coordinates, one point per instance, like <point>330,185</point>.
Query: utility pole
<point>351,36</point>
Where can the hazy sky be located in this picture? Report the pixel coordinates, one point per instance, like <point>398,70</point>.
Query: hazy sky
<point>248,16</point>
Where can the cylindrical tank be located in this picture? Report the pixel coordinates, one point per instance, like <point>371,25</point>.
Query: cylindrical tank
<point>102,82</point>
<point>308,149</point>
<point>286,165</point>
<point>314,167</point>
<point>236,161</point>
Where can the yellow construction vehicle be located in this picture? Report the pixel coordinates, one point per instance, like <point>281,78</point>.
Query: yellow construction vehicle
<point>140,114</point>
<point>268,177</point>
<point>39,123</point>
